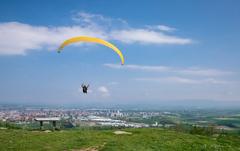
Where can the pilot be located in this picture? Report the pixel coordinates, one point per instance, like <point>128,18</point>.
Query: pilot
<point>84,88</point>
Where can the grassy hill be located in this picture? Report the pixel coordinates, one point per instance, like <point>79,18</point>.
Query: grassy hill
<point>106,140</point>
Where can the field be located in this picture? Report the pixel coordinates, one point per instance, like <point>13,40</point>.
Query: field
<point>144,139</point>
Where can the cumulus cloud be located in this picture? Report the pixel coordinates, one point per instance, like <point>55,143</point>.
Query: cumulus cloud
<point>18,38</point>
<point>104,91</point>
<point>176,70</point>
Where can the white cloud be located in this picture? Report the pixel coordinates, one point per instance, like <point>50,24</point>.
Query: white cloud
<point>169,80</point>
<point>181,80</point>
<point>204,72</point>
<point>162,28</point>
<point>119,29</point>
<point>18,38</point>
<point>83,17</point>
<point>138,67</point>
<point>99,21</point>
<point>146,36</point>
<point>104,91</point>
<point>175,70</point>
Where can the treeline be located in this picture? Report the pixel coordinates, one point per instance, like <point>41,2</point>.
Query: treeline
<point>198,130</point>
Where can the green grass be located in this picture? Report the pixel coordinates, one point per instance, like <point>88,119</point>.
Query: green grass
<point>140,140</point>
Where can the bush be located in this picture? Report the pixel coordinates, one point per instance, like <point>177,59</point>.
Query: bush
<point>9,125</point>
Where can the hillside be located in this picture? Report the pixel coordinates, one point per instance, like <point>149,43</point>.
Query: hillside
<point>107,140</point>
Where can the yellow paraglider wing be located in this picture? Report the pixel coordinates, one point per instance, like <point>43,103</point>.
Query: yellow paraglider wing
<point>93,40</point>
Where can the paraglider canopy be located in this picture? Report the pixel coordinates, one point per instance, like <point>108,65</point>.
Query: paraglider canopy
<point>93,40</point>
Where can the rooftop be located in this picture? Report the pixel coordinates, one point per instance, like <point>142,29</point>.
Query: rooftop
<point>47,119</point>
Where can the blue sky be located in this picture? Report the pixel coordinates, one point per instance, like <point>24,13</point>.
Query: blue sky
<point>175,51</point>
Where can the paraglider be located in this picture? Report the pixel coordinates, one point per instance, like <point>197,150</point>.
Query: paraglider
<point>85,88</point>
<point>92,40</point>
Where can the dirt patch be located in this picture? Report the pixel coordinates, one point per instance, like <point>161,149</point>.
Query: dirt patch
<point>86,149</point>
<point>47,131</point>
<point>122,133</point>
<point>96,148</point>
<point>3,128</point>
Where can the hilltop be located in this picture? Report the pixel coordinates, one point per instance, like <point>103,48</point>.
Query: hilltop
<point>143,139</point>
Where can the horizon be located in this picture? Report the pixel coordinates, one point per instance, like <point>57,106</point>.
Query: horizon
<point>163,105</point>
